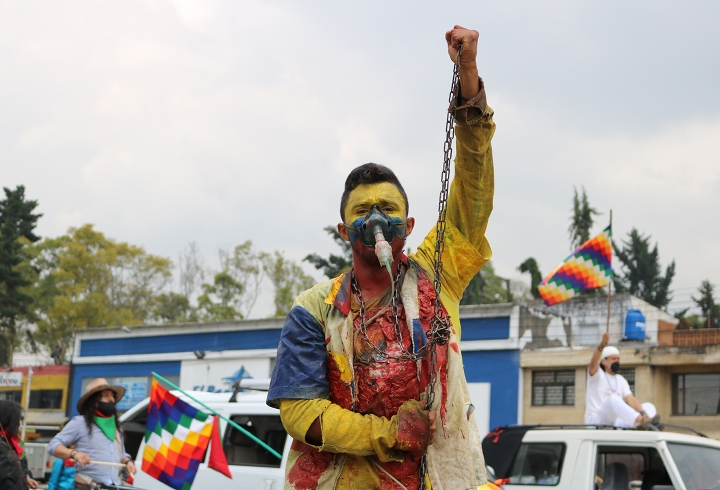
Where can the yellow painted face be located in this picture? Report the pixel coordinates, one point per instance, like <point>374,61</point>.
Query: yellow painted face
<point>383,194</point>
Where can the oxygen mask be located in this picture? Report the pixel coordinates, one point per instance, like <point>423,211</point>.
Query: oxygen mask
<point>377,229</point>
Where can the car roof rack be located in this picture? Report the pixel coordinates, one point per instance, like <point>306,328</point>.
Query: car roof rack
<point>567,426</point>
<point>661,427</point>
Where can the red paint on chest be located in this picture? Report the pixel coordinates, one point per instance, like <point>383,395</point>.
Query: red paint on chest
<point>426,303</point>
<point>309,467</point>
<point>383,386</point>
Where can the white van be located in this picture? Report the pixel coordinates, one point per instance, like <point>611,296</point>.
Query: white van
<point>251,466</point>
<point>601,458</point>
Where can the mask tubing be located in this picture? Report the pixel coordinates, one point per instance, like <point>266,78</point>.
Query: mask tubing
<point>383,250</point>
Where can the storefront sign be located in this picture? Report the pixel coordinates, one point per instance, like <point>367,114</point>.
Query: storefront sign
<point>10,380</point>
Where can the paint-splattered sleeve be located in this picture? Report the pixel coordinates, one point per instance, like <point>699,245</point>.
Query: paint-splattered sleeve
<point>343,431</point>
<point>301,364</point>
<point>470,201</point>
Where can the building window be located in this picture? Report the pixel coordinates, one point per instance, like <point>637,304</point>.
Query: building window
<point>14,396</point>
<point>553,387</point>
<point>46,399</point>
<point>137,388</point>
<point>629,375</point>
<point>696,394</point>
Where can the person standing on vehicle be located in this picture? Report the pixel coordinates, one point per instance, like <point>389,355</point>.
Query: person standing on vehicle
<point>349,389</point>
<point>609,400</point>
<point>97,435</point>
<point>14,471</point>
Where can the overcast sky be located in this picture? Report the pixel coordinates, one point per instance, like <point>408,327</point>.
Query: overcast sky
<point>166,122</point>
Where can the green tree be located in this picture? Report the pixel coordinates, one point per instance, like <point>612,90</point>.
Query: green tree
<point>487,288</point>
<point>17,225</point>
<point>687,322</point>
<point>136,279</point>
<point>334,265</point>
<point>245,266</point>
<point>191,271</point>
<point>220,300</point>
<point>530,266</point>
<point>706,302</point>
<point>581,221</point>
<point>173,308</point>
<point>288,279</point>
<point>86,280</point>
<point>640,271</point>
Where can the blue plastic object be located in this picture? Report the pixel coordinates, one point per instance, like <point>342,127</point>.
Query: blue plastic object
<point>634,325</point>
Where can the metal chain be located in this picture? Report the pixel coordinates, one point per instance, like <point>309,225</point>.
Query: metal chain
<point>440,325</point>
<point>380,354</point>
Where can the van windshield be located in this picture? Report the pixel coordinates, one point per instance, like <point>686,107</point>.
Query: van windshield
<point>699,466</point>
<point>538,464</point>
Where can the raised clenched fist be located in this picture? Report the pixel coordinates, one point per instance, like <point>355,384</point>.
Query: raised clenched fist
<point>469,80</point>
<point>469,40</point>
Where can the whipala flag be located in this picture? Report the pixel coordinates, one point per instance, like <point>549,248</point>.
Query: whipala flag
<point>588,267</point>
<point>176,438</point>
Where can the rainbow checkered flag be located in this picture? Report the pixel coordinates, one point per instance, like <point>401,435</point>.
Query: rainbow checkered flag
<point>588,267</point>
<point>176,438</point>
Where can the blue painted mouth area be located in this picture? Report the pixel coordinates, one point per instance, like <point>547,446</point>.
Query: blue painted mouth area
<point>356,232</point>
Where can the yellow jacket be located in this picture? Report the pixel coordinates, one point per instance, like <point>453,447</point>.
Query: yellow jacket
<point>318,334</point>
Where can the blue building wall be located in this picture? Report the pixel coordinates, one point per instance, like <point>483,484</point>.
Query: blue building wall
<point>171,368</point>
<point>158,344</point>
<point>501,369</point>
<point>491,328</point>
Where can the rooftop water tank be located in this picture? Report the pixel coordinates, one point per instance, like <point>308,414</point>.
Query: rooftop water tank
<point>634,325</point>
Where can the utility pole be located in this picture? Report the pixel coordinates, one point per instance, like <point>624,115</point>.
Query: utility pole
<point>27,403</point>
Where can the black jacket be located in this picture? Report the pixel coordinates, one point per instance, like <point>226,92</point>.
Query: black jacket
<point>12,470</point>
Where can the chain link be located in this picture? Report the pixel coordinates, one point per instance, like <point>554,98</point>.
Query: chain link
<point>440,325</point>
<point>381,355</point>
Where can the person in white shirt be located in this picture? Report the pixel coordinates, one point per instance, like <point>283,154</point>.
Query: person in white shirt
<point>609,400</point>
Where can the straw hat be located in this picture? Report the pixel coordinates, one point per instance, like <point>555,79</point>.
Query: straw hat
<point>97,385</point>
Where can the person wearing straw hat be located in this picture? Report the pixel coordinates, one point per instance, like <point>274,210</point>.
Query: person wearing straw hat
<point>608,400</point>
<point>97,435</point>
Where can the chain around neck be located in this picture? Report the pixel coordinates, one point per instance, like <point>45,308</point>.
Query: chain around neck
<point>381,355</point>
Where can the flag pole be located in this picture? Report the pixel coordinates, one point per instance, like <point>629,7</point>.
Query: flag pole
<point>607,324</point>
<point>233,424</point>
<point>105,463</point>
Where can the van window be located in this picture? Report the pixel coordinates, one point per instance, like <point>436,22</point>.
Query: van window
<point>538,464</point>
<point>134,432</point>
<point>241,450</point>
<point>633,467</point>
<point>699,466</point>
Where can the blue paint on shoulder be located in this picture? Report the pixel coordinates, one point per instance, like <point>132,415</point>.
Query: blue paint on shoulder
<point>300,370</point>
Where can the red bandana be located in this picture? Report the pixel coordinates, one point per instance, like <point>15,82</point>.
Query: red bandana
<point>14,442</point>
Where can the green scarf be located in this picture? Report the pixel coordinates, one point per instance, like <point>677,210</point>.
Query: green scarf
<point>107,425</point>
